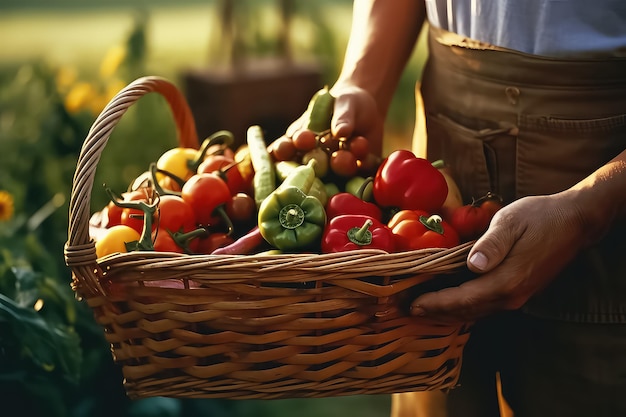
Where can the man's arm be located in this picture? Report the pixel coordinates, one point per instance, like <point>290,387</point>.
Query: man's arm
<point>382,39</point>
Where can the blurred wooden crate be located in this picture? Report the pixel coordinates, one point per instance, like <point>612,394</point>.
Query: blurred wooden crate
<point>271,93</point>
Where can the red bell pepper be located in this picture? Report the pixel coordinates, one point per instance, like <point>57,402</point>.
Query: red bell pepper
<point>415,229</point>
<point>352,232</point>
<point>408,182</point>
<point>347,203</point>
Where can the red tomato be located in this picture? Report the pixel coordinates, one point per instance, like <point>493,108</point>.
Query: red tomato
<point>241,208</point>
<point>164,242</point>
<point>491,206</point>
<point>472,220</point>
<point>215,240</point>
<point>113,214</point>
<point>228,170</point>
<point>304,140</point>
<point>283,149</point>
<point>175,214</point>
<point>359,146</point>
<point>204,193</point>
<point>134,217</point>
<point>343,163</point>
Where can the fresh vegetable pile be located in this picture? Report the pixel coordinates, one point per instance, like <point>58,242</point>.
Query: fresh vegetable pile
<point>310,192</point>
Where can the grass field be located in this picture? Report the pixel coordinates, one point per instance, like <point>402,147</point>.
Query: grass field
<point>180,37</point>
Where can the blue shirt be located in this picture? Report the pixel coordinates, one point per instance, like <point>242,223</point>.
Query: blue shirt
<point>558,28</point>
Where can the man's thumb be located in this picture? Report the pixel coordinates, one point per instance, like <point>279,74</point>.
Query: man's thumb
<point>489,250</point>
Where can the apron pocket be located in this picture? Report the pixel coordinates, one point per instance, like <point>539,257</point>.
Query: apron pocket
<point>481,161</point>
<point>555,153</point>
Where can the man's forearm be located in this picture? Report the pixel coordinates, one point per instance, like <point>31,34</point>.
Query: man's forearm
<point>602,196</point>
<point>382,38</point>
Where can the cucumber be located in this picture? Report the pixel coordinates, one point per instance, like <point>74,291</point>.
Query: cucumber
<point>264,181</point>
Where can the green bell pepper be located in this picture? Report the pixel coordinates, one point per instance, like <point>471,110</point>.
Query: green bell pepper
<point>290,219</point>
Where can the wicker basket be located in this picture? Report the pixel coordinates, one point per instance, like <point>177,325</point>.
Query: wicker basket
<point>261,326</point>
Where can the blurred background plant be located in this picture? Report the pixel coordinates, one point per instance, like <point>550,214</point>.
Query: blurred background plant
<point>59,66</point>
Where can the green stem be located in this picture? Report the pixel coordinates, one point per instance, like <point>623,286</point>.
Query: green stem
<point>438,164</point>
<point>182,239</point>
<point>361,235</point>
<point>162,191</point>
<point>432,223</point>
<point>221,212</point>
<point>148,209</point>
<point>291,216</point>
<point>222,137</point>
<point>486,197</point>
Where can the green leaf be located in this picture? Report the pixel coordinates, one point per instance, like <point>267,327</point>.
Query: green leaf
<point>49,345</point>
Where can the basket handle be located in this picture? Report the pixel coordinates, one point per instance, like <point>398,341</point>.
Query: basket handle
<point>80,249</point>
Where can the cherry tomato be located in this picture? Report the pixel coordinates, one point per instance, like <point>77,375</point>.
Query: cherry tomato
<point>114,240</point>
<point>304,140</point>
<point>113,214</point>
<point>283,149</point>
<point>343,163</point>
<point>164,242</point>
<point>175,214</point>
<point>228,169</point>
<point>321,161</point>
<point>359,146</point>
<point>176,161</point>
<point>241,208</point>
<point>204,193</point>
<point>134,217</point>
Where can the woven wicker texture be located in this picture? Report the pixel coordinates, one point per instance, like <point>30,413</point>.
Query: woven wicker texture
<point>257,326</point>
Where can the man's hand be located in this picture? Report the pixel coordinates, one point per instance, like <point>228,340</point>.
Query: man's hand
<point>355,113</point>
<point>527,244</point>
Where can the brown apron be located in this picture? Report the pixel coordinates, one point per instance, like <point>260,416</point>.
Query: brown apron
<point>521,125</point>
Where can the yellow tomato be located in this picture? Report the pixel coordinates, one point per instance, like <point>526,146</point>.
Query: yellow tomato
<point>176,161</point>
<point>114,240</point>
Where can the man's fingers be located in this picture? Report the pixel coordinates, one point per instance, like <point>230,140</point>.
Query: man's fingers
<point>342,123</point>
<point>495,244</point>
<point>467,302</point>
